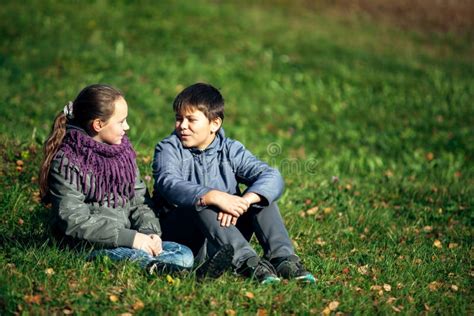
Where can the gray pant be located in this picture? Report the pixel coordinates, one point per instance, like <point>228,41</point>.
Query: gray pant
<point>201,231</point>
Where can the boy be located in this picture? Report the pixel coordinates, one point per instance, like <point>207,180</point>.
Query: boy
<point>197,172</point>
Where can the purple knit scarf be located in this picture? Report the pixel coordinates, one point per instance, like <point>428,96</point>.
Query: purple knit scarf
<point>110,169</point>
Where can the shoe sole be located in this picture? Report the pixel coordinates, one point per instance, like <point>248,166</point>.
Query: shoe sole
<point>309,278</point>
<point>218,264</point>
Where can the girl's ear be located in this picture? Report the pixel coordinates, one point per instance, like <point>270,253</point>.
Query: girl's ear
<point>96,125</point>
<point>216,124</point>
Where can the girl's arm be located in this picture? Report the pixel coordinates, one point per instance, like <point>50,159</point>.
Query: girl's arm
<point>79,218</point>
<point>142,216</point>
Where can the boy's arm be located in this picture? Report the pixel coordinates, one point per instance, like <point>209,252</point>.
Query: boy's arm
<point>259,177</point>
<point>169,181</point>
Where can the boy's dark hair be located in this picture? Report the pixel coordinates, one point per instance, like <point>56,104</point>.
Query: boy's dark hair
<point>203,97</point>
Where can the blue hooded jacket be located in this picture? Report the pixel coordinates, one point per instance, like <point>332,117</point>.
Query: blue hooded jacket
<point>183,175</point>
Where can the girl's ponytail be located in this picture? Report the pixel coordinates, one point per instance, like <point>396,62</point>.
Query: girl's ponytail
<point>50,148</point>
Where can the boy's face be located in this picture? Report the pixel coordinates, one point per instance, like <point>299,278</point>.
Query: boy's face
<point>194,129</point>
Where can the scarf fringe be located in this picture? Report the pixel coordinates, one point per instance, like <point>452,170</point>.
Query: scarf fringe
<point>111,168</point>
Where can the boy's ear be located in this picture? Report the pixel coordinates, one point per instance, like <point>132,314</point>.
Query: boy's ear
<point>96,125</point>
<point>216,124</point>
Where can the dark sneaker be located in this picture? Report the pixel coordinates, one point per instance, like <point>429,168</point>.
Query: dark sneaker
<point>292,268</point>
<point>260,269</point>
<point>218,264</point>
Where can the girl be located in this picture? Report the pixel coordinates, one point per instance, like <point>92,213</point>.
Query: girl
<point>90,176</point>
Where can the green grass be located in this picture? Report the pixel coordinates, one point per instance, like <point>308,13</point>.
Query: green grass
<point>388,112</point>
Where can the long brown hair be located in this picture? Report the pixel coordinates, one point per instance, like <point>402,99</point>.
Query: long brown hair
<point>96,101</point>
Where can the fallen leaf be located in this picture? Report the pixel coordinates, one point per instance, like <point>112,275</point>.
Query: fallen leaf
<point>20,163</point>
<point>49,271</point>
<point>230,312</point>
<point>454,288</point>
<point>327,210</point>
<point>438,244</point>
<point>169,279</point>
<point>249,295</point>
<point>429,156</point>
<point>113,298</point>
<point>21,221</point>
<point>391,300</point>
<point>312,210</point>
<point>452,245</point>
<point>302,214</point>
<point>428,229</point>
<point>375,288</point>
<point>346,270</point>
<point>308,202</point>
<point>33,299</point>
<point>326,311</point>
<point>389,173</point>
<point>364,270</point>
<point>138,305</point>
<point>396,309</point>
<point>434,286</point>
<point>333,305</point>
<point>387,287</point>
<point>262,312</point>
<point>427,307</point>
<point>67,311</point>
<point>320,242</point>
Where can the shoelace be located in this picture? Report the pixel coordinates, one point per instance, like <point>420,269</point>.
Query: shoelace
<point>264,266</point>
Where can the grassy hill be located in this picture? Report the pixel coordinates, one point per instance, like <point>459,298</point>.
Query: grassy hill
<point>370,122</point>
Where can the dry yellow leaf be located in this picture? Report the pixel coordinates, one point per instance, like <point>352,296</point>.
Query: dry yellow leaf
<point>387,287</point>
<point>333,305</point>
<point>375,288</point>
<point>438,244</point>
<point>312,210</point>
<point>452,245</point>
<point>262,312</point>
<point>428,229</point>
<point>327,210</point>
<point>230,312</point>
<point>249,295</point>
<point>113,298</point>
<point>363,269</point>
<point>49,271</point>
<point>320,242</point>
<point>434,286</point>
<point>326,311</point>
<point>391,300</point>
<point>454,288</point>
<point>169,279</point>
<point>138,305</point>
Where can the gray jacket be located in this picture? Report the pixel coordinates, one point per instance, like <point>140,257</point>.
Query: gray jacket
<point>183,175</point>
<point>83,219</point>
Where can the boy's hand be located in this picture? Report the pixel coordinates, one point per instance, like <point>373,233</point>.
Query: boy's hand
<point>230,204</point>
<point>226,219</point>
<point>252,198</point>
<point>151,244</point>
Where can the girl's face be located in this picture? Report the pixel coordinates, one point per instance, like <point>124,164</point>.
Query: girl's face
<point>113,130</point>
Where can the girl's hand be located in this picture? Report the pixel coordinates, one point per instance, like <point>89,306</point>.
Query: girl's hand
<point>157,246</point>
<point>151,244</point>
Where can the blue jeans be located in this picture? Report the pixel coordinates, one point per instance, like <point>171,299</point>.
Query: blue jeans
<point>177,256</point>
